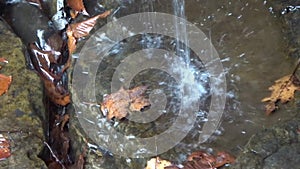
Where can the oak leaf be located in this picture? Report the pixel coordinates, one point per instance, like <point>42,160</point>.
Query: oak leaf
<point>283,90</point>
<point>119,103</point>
<point>5,81</point>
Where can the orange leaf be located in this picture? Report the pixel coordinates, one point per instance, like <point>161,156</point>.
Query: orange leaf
<point>283,90</point>
<point>77,5</point>
<point>119,103</point>
<point>5,81</point>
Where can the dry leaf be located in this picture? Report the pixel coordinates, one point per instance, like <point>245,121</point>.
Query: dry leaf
<point>77,5</point>
<point>5,81</point>
<point>4,148</point>
<point>283,90</point>
<point>157,163</point>
<point>118,104</point>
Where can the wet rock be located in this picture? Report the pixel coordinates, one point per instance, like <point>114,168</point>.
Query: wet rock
<point>276,148</point>
<point>21,107</point>
<point>289,12</point>
<point>26,26</point>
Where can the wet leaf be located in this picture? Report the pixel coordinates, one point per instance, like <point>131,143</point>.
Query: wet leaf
<point>4,148</point>
<point>157,163</point>
<point>5,81</point>
<point>83,28</point>
<point>71,41</point>
<point>203,160</point>
<point>283,90</point>
<point>118,104</point>
<point>77,5</point>
<point>56,93</point>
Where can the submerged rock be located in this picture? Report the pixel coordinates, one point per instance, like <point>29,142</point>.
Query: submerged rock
<point>21,108</point>
<point>276,148</point>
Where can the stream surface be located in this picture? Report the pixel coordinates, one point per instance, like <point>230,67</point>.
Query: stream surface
<point>252,46</point>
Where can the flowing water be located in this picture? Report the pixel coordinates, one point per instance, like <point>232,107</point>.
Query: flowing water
<point>252,47</point>
<point>253,50</point>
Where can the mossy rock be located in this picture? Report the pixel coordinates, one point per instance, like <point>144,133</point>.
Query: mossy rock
<point>21,108</point>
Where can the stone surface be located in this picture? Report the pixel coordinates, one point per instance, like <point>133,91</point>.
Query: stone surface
<point>276,148</point>
<point>21,107</point>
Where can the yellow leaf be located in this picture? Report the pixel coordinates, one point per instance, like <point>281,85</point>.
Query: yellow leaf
<point>283,90</point>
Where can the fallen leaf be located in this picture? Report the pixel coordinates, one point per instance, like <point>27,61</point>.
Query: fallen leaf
<point>71,41</point>
<point>77,5</point>
<point>5,81</point>
<point>203,160</point>
<point>118,104</point>
<point>57,94</point>
<point>83,28</point>
<point>4,148</point>
<point>157,163</point>
<point>283,90</point>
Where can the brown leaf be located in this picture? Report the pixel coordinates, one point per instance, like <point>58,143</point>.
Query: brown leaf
<point>157,163</point>
<point>41,61</point>
<point>203,160</point>
<point>118,104</point>
<point>77,5</point>
<point>83,28</point>
<point>283,90</point>
<point>4,148</point>
<point>71,41</point>
<point>57,94</point>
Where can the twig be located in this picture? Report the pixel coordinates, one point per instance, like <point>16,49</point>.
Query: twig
<point>296,68</point>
